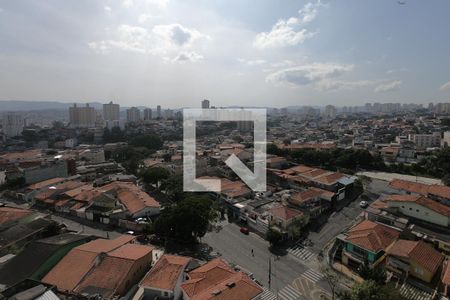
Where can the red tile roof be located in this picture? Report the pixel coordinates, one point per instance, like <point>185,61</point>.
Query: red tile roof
<point>45,183</point>
<point>419,252</point>
<point>309,194</point>
<point>103,245</point>
<point>216,280</point>
<point>421,188</point>
<point>71,269</point>
<point>107,276</point>
<point>422,201</point>
<point>165,273</point>
<point>9,214</point>
<point>131,251</point>
<point>285,213</point>
<point>372,236</point>
<point>136,200</point>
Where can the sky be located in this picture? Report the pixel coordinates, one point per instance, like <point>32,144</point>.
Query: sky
<point>274,53</point>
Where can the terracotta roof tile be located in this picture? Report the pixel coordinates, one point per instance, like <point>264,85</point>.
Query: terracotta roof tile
<point>103,245</point>
<point>70,270</point>
<point>131,251</point>
<point>372,236</point>
<point>418,251</point>
<point>285,213</point>
<point>423,201</point>
<point>165,273</point>
<point>216,280</point>
<point>8,214</point>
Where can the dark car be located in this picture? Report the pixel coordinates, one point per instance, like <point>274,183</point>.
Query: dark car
<point>245,230</point>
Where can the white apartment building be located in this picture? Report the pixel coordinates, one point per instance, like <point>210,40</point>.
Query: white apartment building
<point>424,141</point>
<point>133,115</point>
<point>12,124</point>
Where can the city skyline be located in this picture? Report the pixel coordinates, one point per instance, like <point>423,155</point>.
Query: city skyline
<point>141,53</point>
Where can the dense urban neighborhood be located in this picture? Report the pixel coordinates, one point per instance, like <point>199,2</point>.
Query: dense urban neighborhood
<point>357,202</point>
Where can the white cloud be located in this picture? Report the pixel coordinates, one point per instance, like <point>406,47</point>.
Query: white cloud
<point>282,64</point>
<point>255,62</point>
<point>289,32</point>
<point>107,9</point>
<point>173,42</point>
<point>307,74</point>
<point>134,3</point>
<point>445,87</point>
<point>328,85</point>
<point>143,18</point>
<point>388,86</point>
<point>187,56</point>
<point>176,34</point>
<point>392,71</point>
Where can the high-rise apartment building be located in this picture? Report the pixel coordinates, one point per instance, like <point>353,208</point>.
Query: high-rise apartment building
<point>330,112</point>
<point>158,111</point>
<point>84,116</point>
<point>111,112</point>
<point>205,103</point>
<point>147,114</point>
<point>12,124</point>
<point>133,115</point>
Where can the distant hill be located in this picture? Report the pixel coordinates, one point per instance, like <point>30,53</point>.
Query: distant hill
<point>12,105</point>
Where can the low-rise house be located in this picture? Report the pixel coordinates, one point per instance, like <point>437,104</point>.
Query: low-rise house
<point>287,220</point>
<point>414,258</point>
<point>366,243</point>
<point>101,267</point>
<point>436,192</point>
<point>421,208</point>
<point>39,257</point>
<point>312,201</point>
<point>164,279</point>
<point>20,226</point>
<point>217,280</point>
<point>276,162</point>
<point>115,273</point>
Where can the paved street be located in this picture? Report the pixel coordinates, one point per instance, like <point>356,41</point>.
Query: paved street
<point>236,248</point>
<point>83,229</point>
<point>337,222</point>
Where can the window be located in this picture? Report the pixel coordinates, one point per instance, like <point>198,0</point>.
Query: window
<point>403,206</point>
<point>410,208</point>
<point>417,210</point>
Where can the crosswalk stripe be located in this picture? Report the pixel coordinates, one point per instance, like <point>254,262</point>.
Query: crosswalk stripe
<point>412,293</point>
<point>267,294</point>
<point>312,275</point>
<point>289,293</point>
<point>300,252</point>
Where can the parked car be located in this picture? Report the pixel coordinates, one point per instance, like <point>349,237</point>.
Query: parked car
<point>363,204</point>
<point>245,230</point>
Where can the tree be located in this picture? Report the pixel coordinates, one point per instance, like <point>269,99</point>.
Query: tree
<point>331,278</point>
<point>187,220</point>
<point>369,289</point>
<point>273,236</point>
<point>155,175</point>
<point>377,274</point>
<point>149,141</point>
<point>173,186</point>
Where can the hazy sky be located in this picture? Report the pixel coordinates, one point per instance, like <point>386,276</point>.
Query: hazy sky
<point>233,52</point>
